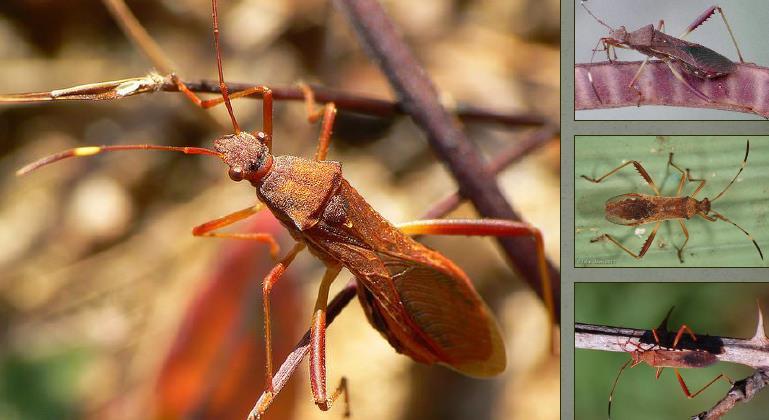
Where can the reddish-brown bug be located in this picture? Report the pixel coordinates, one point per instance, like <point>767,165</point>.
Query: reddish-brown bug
<point>418,299</point>
<point>660,357</point>
<point>694,59</point>
<point>635,209</point>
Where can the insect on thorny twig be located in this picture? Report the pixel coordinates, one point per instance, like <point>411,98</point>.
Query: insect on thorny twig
<point>660,356</point>
<point>678,54</point>
<point>423,304</point>
<point>634,209</point>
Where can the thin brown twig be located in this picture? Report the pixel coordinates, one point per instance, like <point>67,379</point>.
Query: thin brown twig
<point>362,104</point>
<point>419,98</point>
<point>135,32</point>
<point>523,147</point>
<point>366,104</point>
<point>742,391</point>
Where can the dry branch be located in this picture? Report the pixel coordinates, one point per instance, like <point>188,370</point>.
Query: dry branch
<point>419,98</point>
<point>124,88</point>
<point>745,90</point>
<point>753,352</point>
<point>742,391</point>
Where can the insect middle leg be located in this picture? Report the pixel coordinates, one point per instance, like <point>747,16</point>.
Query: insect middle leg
<point>267,284</point>
<point>318,349</point>
<point>631,84</point>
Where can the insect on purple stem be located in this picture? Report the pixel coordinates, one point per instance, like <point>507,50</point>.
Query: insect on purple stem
<point>678,54</point>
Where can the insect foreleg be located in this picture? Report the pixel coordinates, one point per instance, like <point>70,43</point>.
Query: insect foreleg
<point>208,228</point>
<point>686,175</point>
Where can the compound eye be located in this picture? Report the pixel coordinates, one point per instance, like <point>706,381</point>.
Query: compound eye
<point>236,173</point>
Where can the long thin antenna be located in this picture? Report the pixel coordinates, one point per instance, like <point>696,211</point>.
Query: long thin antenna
<point>744,163</point>
<point>222,85</point>
<point>722,217</point>
<point>93,150</point>
<point>611,394</point>
<point>582,3</point>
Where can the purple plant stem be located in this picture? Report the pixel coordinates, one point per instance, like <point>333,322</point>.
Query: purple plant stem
<point>745,90</point>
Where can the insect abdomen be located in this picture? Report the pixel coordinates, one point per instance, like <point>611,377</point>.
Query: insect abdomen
<point>630,209</point>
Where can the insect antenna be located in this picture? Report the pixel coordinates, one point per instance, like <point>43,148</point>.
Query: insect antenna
<point>93,150</point>
<point>744,163</point>
<point>722,217</point>
<point>222,85</point>
<point>614,386</point>
<point>582,3</point>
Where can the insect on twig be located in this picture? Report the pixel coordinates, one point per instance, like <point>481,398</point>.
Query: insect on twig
<point>634,209</point>
<point>676,53</point>
<point>660,357</point>
<point>422,303</point>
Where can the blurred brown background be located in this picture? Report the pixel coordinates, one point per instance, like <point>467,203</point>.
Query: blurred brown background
<point>97,262</point>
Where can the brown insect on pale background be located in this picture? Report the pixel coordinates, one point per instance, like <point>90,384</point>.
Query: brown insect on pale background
<point>635,209</point>
<point>744,17</point>
<point>678,54</point>
<point>139,210</point>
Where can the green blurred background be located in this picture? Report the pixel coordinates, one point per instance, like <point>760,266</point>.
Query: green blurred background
<point>722,309</point>
<point>714,158</point>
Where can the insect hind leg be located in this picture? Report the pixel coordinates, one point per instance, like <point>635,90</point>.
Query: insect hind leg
<point>638,167</point>
<point>685,388</point>
<point>705,16</point>
<point>646,245</point>
<point>491,227</point>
